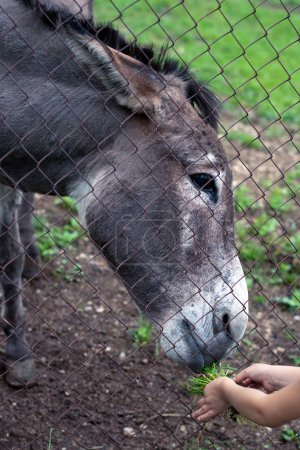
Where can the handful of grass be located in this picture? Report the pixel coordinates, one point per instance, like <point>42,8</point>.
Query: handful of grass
<point>196,386</point>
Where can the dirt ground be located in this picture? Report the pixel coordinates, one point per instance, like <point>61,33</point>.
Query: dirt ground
<point>95,390</point>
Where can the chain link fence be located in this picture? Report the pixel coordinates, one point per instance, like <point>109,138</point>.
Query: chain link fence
<point>157,207</point>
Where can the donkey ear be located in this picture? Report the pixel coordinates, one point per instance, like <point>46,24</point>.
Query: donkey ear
<point>132,83</point>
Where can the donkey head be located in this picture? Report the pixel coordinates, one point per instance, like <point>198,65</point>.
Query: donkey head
<point>158,202</point>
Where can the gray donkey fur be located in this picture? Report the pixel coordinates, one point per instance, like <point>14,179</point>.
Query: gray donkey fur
<point>85,114</point>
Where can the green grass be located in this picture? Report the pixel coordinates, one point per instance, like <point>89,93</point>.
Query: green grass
<point>49,447</point>
<point>68,203</point>
<point>244,139</point>
<point>243,198</point>
<point>51,239</point>
<point>291,302</point>
<point>197,385</point>
<point>247,54</point>
<point>141,334</point>
<point>288,434</point>
<point>260,299</point>
<point>69,273</point>
<point>296,360</point>
<point>268,237</point>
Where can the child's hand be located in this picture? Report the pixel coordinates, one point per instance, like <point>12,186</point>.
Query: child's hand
<point>213,403</point>
<point>260,376</point>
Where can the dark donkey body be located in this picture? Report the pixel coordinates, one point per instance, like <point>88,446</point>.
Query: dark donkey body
<point>132,139</point>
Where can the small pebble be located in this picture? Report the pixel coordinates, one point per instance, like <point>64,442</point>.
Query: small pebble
<point>183,429</point>
<point>88,308</point>
<point>100,309</point>
<point>128,431</point>
<point>122,356</point>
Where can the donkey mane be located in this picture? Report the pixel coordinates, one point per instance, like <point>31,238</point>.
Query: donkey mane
<point>201,98</point>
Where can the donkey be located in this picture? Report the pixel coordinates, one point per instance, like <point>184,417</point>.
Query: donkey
<point>132,137</point>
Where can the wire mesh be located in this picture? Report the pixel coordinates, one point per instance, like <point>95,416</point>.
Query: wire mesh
<point>134,206</point>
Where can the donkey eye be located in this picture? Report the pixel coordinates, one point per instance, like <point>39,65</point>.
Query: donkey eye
<point>206,183</point>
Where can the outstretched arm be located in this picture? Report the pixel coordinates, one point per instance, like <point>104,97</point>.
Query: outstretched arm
<point>270,410</point>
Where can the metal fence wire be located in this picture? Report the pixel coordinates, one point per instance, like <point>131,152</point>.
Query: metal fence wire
<point>136,212</point>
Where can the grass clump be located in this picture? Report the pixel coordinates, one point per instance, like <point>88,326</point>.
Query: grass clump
<point>196,386</point>
<point>141,335</point>
<point>68,203</point>
<point>288,434</point>
<point>244,139</point>
<point>292,302</point>
<point>52,239</point>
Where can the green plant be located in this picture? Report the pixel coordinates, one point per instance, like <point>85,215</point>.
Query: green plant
<point>141,335</point>
<point>280,198</point>
<point>248,343</point>
<point>50,439</point>
<point>296,361</point>
<point>288,335</point>
<point>292,303</point>
<point>69,273</point>
<point>196,386</point>
<point>267,227</point>
<point>50,239</point>
<point>261,299</point>
<point>243,198</point>
<point>252,250</point>
<point>245,139</point>
<point>249,282</point>
<point>288,434</point>
<point>66,202</point>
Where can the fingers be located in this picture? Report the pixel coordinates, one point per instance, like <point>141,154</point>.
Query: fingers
<point>203,416</point>
<point>244,382</point>
<point>242,377</point>
<point>247,382</point>
<point>202,408</point>
<point>201,402</point>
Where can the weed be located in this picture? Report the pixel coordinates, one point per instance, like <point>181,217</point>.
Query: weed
<point>68,203</point>
<point>249,282</point>
<point>196,386</point>
<point>244,198</point>
<point>69,274</point>
<point>292,303</point>
<point>248,343</point>
<point>252,250</point>
<point>266,227</point>
<point>141,335</point>
<point>50,439</point>
<point>260,299</point>
<point>245,139</point>
<point>50,239</point>
<point>296,361</point>
<point>288,434</point>
<point>288,335</point>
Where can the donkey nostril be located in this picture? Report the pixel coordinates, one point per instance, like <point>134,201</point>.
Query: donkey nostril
<point>187,324</point>
<point>226,322</point>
